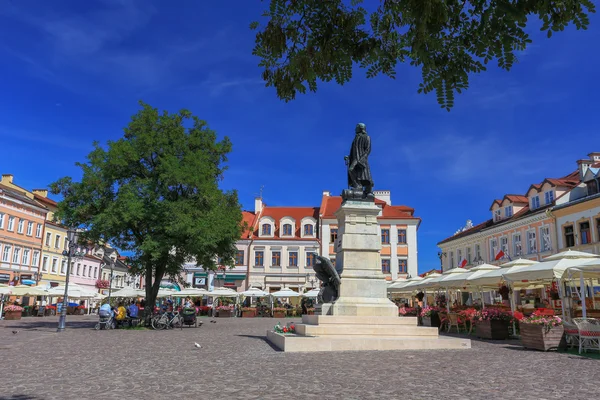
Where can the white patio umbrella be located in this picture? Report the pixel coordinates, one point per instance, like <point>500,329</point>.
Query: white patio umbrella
<point>254,292</point>
<point>5,290</point>
<point>192,292</point>
<point>23,290</point>
<point>129,293</point>
<point>552,267</point>
<point>165,293</point>
<point>313,293</point>
<point>589,269</point>
<point>399,285</point>
<point>74,291</point>
<point>223,292</point>
<point>492,279</point>
<point>455,278</point>
<point>285,292</point>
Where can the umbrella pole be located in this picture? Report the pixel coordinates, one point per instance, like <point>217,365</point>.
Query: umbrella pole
<point>561,292</point>
<point>1,305</point>
<point>592,292</point>
<point>447,300</point>
<point>582,288</point>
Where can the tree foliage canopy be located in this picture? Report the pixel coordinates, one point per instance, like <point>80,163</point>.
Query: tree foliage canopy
<point>155,193</point>
<point>308,40</point>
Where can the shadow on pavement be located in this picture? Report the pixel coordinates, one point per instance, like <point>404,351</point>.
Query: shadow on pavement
<point>19,397</point>
<point>49,325</point>
<point>263,338</point>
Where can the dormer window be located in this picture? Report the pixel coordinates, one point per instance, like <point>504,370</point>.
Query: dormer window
<point>535,202</point>
<point>549,196</point>
<point>266,229</point>
<point>497,215</point>
<point>308,230</point>
<point>508,211</point>
<point>287,229</point>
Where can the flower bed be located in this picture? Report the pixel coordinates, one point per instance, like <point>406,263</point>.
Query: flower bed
<point>13,312</point>
<point>287,329</point>
<point>431,316</point>
<point>542,332</point>
<point>279,312</point>
<point>407,311</point>
<point>224,311</point>
<point>492,323</point>
<point>248,312</point>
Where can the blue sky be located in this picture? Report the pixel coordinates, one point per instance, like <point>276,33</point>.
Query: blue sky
<point>73,72</point>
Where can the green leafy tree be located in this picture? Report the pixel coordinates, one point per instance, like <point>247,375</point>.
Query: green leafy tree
<point>155,193</point>
<point>308,40</point>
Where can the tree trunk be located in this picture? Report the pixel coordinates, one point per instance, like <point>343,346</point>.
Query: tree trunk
<point>152,289</point>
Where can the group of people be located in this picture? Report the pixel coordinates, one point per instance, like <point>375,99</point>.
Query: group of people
<point>121,313</point>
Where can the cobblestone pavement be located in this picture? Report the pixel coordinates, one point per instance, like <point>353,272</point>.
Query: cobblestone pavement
<point>236,362</point>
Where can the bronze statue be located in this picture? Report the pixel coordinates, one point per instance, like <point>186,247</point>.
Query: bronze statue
<point>359,172</point>
<point>330,278</point>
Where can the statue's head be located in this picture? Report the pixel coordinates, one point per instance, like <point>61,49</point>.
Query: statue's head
<point>361,128</point>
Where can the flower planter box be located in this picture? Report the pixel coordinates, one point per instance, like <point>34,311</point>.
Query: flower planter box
<point>224,313</point>
<point>534,337</point>
<point>433,321</point>
<point>12,315</point>
<point>249,314</point>
<point>278,314</point>
<point>495,330</point>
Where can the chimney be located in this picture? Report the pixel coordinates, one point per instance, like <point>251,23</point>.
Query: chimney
<point>594,157</point>
<point>40,192</point>
<point>583,166</point>
<point>326,193</point>
<point>258,205</point>
<point>7,178</point>
<point>383,195</point>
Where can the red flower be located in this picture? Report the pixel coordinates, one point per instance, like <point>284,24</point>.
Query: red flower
<point>518,315</point>
<point>284,329</point>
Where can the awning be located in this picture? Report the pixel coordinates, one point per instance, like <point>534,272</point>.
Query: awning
<point>221,276</point>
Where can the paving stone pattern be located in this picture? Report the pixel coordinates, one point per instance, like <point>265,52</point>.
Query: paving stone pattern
<point>235,362</point>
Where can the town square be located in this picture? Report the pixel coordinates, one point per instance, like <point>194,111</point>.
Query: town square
<point>308,199</point>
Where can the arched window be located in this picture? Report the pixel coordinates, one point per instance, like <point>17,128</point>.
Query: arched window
<point>287,229</point>
<point>308,230</point>
<point>266,229</point>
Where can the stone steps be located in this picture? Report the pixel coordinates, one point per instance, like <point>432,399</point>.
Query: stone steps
<point>357,320</point>
<point>365,329</point>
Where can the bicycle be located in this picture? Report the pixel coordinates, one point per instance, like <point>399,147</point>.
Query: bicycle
<point>162,321</point>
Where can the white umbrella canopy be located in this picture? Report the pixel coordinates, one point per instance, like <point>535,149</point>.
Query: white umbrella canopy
<point>165,293</point>
<point>285,292</point>
<point>552,267</point>
<point>456,278</point>
<point>313,293</point>
<point>74,291</point>
<point>254,292</point>
<point>493,279</point>
<point>479,271</point>
<point>5,290</point>
<point>518,262</point>
<point>23,290</point>
<point>223,292</point>
<point>191,292</point>
<point>401,284</point>
<point>436,281</point>
<point>590,269</point>
<point>129,293</point>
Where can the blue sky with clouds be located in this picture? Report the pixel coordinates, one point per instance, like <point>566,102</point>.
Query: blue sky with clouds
<point>73,72</point>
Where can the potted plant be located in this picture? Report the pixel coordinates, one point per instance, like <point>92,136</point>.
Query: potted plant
<point>407,312</point>
<point>310,311</point>
<point>431,316</point>
<point>492,323</point>
<point>248,312</point>
<point>290,328</point>
<point>279,312</point>
<point>13,312</point>
<point>542,332</point>
<point>224,311</point>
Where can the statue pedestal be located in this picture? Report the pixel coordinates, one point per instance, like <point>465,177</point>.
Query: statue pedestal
<point>362,318</point>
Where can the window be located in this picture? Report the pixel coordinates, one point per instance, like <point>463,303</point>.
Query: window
<point>54,265</point>
<point>504,244</point>
<point>38,230</point>
<point>549,196</point>
<point>592,188</point>
<point>63,267</point>
<point>48,238</point>
<point>451,259</point>
<point>493,248</point>
<point>239,257</point>
<point>402,236</point>
<point>11,224</point>
<point>6,253</point>
<point>287,229</point>
<point>57,242</point>
<point>16,254</point>
<point>258,258</point>
<point>29,228</point>
<point>333,235</point>
<point>66,244</point>
<point>569,236</point>
<point>402,266</point>
<point>308,230</point>
<point>35,259</point>
<point>25,258</point>
<point>21,225</point>
<point>385,265</point>
<point>469,255</point>
<point>266,229</point>
<point>310,259</point>
<point>531,242</point>
<point>84,270</point>
<point>78,269</point>
<point>45,264</point>
<point>293,255</point>
<point>459,256</point>
<point>276,259</point>
<point>508,211</point>
<point>95,272</point>
<point>584,231</point>
<point>477,252</point>
<point>546,242</point>
<point>1,220</point>
<point>517,249</point>
<point>385,236</point>
<point>598,229</point>
<point>497,215</point>
<point>535,202</point>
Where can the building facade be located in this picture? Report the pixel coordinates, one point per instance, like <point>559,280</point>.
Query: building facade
<point>532,226</point>
<point>21,230</point>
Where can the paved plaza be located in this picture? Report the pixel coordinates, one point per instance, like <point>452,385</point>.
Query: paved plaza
<point>236,362</point>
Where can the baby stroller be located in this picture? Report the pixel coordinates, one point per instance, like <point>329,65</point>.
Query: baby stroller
<point>106,320</point>
<point>189,317</point>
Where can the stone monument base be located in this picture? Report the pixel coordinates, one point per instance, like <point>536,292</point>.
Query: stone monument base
<point>348,333</point>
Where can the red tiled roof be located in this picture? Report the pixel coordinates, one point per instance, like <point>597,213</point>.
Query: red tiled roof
<point>295,213</point>
<point>21,196</point>
<point>516,198</point>
<point>571,180</point>
<point>249,218</point>
<point>45,200</point>
<point>595,165</point>
<point>331,204</point>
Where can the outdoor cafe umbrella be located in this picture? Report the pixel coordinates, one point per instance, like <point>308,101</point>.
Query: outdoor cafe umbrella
<point>399,285</point>
<point>223,292</point>
<point>191,292</point>
<point>74,291</point>
<point>312,293</point>
<point>129,293</point>
<point>493,278</point>
<point>552,267</point>
<point>286,292</point>
<point>254,292</point>
<point>23,290</point>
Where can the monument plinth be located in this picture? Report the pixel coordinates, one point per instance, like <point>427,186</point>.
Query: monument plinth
<point>355,312</point>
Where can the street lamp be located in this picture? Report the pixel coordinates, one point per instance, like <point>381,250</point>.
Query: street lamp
<point>72,236</point>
